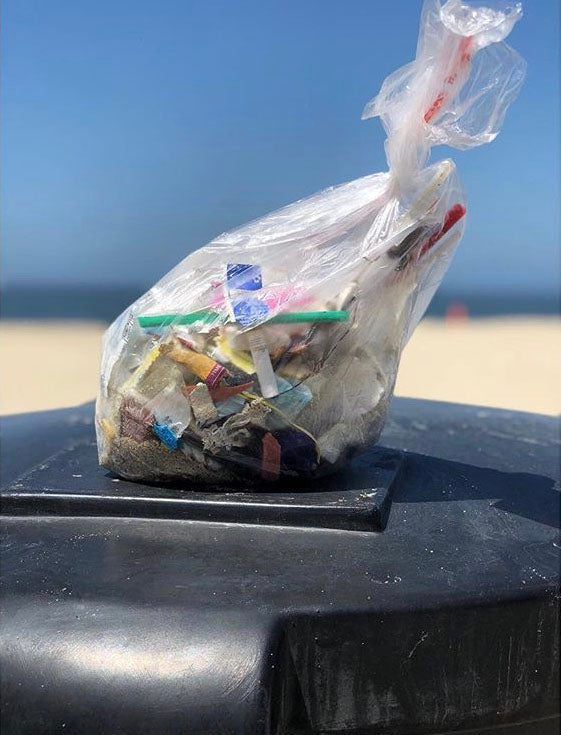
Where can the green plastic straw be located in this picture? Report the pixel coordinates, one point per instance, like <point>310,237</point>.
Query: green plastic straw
<point>212,317</point>
<point>164,320</point>
<point>293,317</point>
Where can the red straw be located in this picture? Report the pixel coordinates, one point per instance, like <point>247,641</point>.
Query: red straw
<point>453,215</point>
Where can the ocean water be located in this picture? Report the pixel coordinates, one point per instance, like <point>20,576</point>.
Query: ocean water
<point>88,302</point>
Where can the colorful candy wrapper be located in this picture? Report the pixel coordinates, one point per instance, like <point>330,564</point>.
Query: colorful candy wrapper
<point>136,421</point>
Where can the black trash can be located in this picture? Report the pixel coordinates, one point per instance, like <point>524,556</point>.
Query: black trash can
<point>416,592</point>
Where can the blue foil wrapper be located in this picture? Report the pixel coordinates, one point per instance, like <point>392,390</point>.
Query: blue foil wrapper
<point>165,434</point>
<point>240,278</point>
<point>244,277</point>
<point>249,311</point>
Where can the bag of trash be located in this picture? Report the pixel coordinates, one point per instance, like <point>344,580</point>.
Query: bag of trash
<point>273,350</point>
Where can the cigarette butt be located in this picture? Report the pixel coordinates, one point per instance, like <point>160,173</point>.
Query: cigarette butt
<point>263,366</point>
<point>204,367</point>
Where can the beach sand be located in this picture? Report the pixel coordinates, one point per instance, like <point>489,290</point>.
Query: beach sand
<point>512,362</point>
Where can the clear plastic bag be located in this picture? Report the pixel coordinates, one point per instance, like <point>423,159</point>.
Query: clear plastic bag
<point>273,350</point>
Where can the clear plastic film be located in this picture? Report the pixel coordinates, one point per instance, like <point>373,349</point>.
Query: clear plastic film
<point>273,350</point>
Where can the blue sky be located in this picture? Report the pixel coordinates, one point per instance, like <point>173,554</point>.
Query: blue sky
<point>134,132</point>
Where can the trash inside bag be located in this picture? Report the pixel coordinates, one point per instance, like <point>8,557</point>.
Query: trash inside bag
<point>273,350</point>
